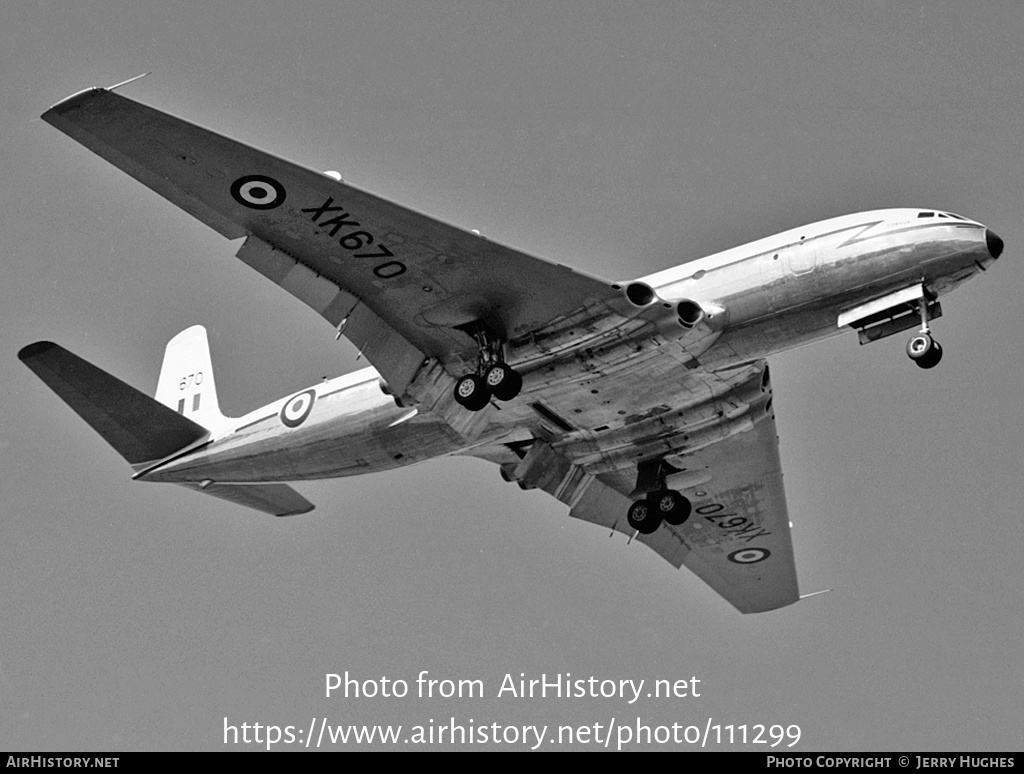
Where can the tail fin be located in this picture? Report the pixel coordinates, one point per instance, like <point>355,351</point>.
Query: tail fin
<point>145,431</point>
<point>186,382</point>
<point>140,429</point>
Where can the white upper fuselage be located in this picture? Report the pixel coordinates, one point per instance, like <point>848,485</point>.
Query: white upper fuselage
<point>788,289</point>
<point>760,298</point>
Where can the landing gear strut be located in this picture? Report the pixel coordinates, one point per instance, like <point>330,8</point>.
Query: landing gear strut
<point>660,504</point>
<point>493,377</point>
<point>923,349</point>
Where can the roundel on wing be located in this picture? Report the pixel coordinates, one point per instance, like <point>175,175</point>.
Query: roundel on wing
<point>258,192</point>
<point>296,409</point>
<point>749,555</point>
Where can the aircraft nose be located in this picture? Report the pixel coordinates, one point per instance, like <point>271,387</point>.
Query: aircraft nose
<point>995,244</point>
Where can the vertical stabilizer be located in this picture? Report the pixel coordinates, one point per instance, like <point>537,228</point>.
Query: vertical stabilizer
<point>186,382</point>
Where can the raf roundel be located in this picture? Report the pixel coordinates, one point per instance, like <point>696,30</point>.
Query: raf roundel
<point>258,192</point>
<point>749,555</point>
<point>295,410</point>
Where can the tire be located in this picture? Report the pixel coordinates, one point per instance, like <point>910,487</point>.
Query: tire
<point>924,350</point>
<point>919,346</point>
<point>932,358</point>
<point>671,506</point>
<point>471,392</point>
<point>643,518</point>
<point>503,382</point>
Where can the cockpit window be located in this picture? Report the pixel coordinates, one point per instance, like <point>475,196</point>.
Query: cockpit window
<point>926,214</point>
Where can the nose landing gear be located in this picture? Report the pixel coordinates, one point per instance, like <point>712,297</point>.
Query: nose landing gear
<point>923,349</point>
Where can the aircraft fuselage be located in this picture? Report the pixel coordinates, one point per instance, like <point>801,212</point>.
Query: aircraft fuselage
<point>759,299</point>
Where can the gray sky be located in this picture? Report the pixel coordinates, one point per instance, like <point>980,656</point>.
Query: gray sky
<point>620,138</point>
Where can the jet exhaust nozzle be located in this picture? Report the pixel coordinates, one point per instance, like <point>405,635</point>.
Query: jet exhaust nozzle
<point>640,293</point>
<point>690,313</point>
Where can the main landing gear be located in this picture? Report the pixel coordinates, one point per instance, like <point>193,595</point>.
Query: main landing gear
<point>645,516</point>
<point>923,349</point>
<point>493,377</point>
<point>660,504</point>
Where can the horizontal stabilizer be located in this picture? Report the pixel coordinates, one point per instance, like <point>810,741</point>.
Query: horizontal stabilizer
<point>139,428</point>
<point>275,499</point>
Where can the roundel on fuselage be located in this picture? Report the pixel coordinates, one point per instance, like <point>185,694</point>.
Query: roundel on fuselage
<point>296,409</point>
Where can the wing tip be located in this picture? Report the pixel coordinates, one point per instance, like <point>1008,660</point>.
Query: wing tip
<point>32,351</point>
<point>296,512</point>
<point>70,103</point>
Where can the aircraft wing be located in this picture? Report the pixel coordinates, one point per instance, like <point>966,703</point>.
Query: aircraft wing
<point>737,539</point>
<point>396,282</point>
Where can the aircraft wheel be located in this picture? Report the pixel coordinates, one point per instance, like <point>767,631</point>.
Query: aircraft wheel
<point>924,350</point>
<point>932,358</point>
<point>471,392</point>
<point>503,382</point>
<point>671,506</point>
<point>643,517</point>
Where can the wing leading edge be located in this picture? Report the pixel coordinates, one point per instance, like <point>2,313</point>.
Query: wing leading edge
<point>396,282</point>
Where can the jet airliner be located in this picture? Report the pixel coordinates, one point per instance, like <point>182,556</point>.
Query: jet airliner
<point>645,406</point>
